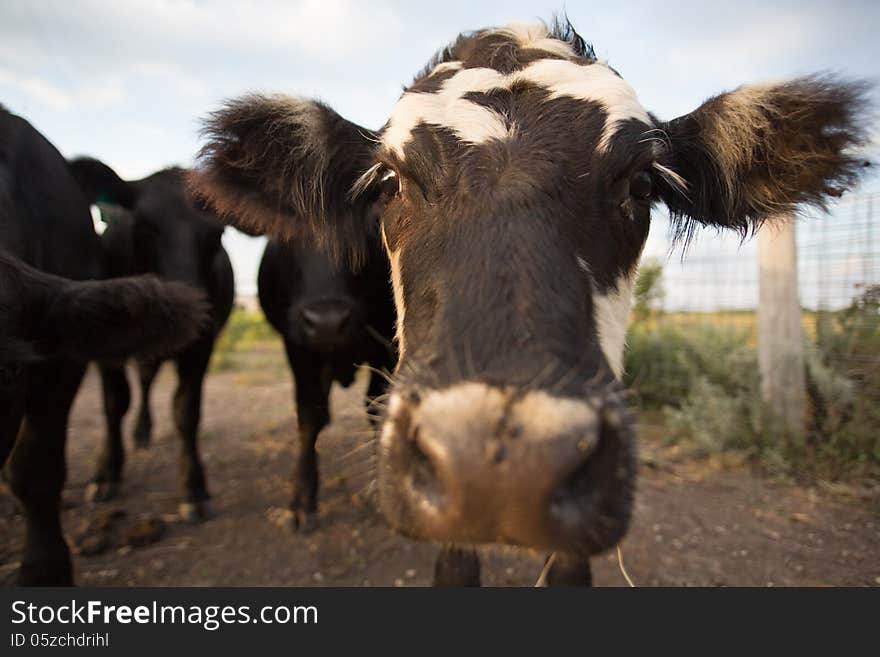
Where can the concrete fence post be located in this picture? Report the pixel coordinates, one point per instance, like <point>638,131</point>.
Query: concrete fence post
<point>780,333</point>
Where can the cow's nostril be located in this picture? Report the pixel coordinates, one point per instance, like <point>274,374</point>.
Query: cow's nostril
<point>329,321</point>
<point>422,474</point>
<point>311,318</point>
<point>574,488</point>
<point>578,488</point>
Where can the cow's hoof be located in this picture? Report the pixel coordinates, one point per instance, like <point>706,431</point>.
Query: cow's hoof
<point>101,491</point>
<point>304,522</point>
<point>195,511</point>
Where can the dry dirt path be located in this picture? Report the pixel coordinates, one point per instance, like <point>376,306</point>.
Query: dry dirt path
<point>696,522</point>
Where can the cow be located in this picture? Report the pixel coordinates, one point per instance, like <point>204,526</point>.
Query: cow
<point>512,187</point>
<point>54,318</point>
<point>167,233</point>
<point>332,319</point>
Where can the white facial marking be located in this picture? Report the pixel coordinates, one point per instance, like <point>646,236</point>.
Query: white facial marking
<point>471,122</point>
<point>593,83</point>
<point>397,286</point>
<point>476,124</point>
<point>611,313</point>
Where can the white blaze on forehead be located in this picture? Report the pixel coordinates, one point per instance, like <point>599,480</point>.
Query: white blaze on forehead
<point>611,313</point>
<point>592,83</point>
<point>448,108</point>
<point>475,124</point>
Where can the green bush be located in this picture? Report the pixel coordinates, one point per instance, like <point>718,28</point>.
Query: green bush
<point>704,376</point>
<point>243,328</point>
<point>648,293</point>
<point>844,386</point>
<point>664,359</point>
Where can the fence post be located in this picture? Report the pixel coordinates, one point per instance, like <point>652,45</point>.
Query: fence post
<point>780,334</point>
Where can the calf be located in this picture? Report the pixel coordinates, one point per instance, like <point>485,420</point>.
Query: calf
<point>512,186</point>
<point>331,319</point>
<point>51,325</point>
<point>168,234</point>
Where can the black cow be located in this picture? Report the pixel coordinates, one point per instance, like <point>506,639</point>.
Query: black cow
<point>169,234</point>
<point>51,325</point>
<point>332,319</point>
<point>513,186</point>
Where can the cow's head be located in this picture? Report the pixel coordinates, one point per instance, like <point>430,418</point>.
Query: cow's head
<point>328,300</point>
<point>512,187</point>
<point>173,234</point>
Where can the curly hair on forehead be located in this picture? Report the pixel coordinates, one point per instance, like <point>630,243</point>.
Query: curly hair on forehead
<point>499,44</point>
<point>562,29</point>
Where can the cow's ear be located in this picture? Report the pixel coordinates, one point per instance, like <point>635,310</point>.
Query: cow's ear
<point>286,167</point>
<point>101,184</point>
<point>121,317</point>
<point>760,150</point>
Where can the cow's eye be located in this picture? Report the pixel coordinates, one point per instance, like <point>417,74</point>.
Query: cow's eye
<point>641,186</point>
<point>389,185</point>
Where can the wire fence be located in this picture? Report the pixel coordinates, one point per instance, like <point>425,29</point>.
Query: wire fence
<point>692,347</point>
<point>838,257</point>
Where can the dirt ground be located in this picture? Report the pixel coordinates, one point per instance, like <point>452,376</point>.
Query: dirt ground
<point>697,522</point>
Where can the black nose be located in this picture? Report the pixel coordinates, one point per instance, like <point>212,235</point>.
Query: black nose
<point>326,322</point>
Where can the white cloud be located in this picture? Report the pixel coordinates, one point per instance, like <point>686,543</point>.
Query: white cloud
<point>101,92</point>
<point>315,27</point>
<point>38,89</point>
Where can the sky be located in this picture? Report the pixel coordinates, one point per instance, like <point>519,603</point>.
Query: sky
<point>127,81</point>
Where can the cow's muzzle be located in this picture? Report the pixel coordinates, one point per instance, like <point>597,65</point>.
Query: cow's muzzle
<point>326,325</point>
<point>481,464</point>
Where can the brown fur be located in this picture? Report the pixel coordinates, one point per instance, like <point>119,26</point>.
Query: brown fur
<point>765,149</point>
<point>272,163</point>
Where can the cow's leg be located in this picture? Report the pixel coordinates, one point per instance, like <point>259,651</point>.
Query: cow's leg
<point>36,472</point>
<point>9,425</point>
<point>191,367</point>
<point>569,570</point>
<point>11,414</point>
<point>312,414</point>
<point>457,566</point>
<point>143,430</point>
<point>105,482</point>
